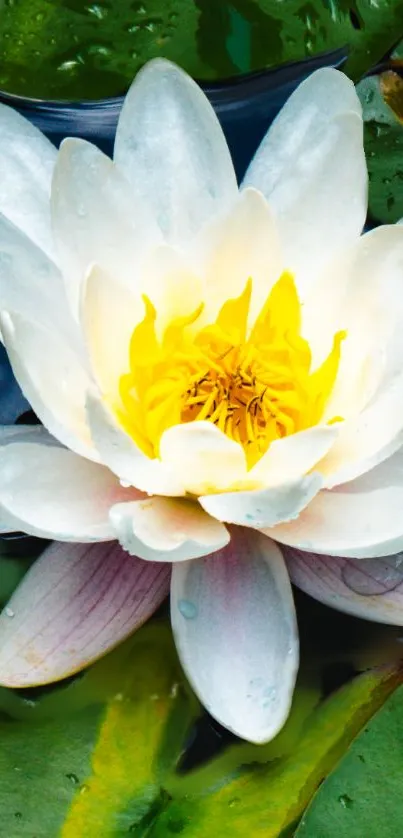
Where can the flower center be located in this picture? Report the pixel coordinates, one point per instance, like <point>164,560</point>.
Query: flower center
<point>256,385</point>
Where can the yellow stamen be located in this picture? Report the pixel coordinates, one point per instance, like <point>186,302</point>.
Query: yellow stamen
<point>256,388</point>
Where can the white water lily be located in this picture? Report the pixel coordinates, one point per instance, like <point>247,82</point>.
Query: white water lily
<point>200,357</point>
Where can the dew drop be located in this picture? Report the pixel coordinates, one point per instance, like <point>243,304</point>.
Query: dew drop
<point>67,66</point>
<point>97,11</point>
<point>73,779</point>
<point>379,576</point>
<point>84,788</point>
<point>187,609</point>
<point>346,801</point>
<point>233,802</point>
<point>9,611</point>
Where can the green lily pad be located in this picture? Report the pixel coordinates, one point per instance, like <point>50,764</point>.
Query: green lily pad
<point>78,49</point>
<point>382,100</point>
<point>265,800</point>
<point>97,770</point>
<point>363,796</point>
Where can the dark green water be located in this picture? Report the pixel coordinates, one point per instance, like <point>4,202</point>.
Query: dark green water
<point>78,49</point>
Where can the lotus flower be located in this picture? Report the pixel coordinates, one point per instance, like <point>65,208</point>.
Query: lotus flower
<point>216,370</point>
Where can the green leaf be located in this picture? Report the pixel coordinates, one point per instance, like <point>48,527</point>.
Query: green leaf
<point>265,800</point>
<point>296,29</point>
<point>102,767</point>
<point>363,796</point>
<point>76,49</point>
<point>107,746</point>
<point>383,140</point>
<point>12,570</point>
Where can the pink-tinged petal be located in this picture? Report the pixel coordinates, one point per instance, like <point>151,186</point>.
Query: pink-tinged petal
<point>368,588</point>
<point>52,378</point>
<point>292,456</point>
<point>235,629</point>
<point>361,519</point>
<point>75,603</point>
<point>167,529</point>
<point>202,457</point>
<point>50,492</point>
<point>311,168</point>
<point>170,146</point>
<point>120,453</point>
<point>94,217</point>
<point>26,163</point>
<point>264,507</point>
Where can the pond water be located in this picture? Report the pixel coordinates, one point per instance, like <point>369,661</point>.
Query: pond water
<point>78,49</point>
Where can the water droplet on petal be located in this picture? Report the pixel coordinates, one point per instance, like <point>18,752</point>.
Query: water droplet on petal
<point>187,609</point>
<point>9,611</point>
<point>373,577</point>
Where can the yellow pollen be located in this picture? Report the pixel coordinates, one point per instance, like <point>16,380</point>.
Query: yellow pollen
<point>255,386</point>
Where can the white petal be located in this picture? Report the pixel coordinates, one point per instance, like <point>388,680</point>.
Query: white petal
<point>25,433</point>
<point>26,162</point>
<point>368,439</point>
<point>75,604</point>
<point>172,286</point>
<point>171,147</point>
<point>362,294</point>
<point>109,312</point>
<point>120,453</point>
<point>30,283</point>
<point>361,519</point>
<point>202,457</point>
<point>52,493</point>
<point>235,630</point>
<point>292,456</point>
<point>94,217</point>
<point>264,507</point>
<point>370,588</point>
<point>242,244</point>
<point>359,292</point>
<point>52,378</point>
<point>167,530</point>
<point>311,168</point>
